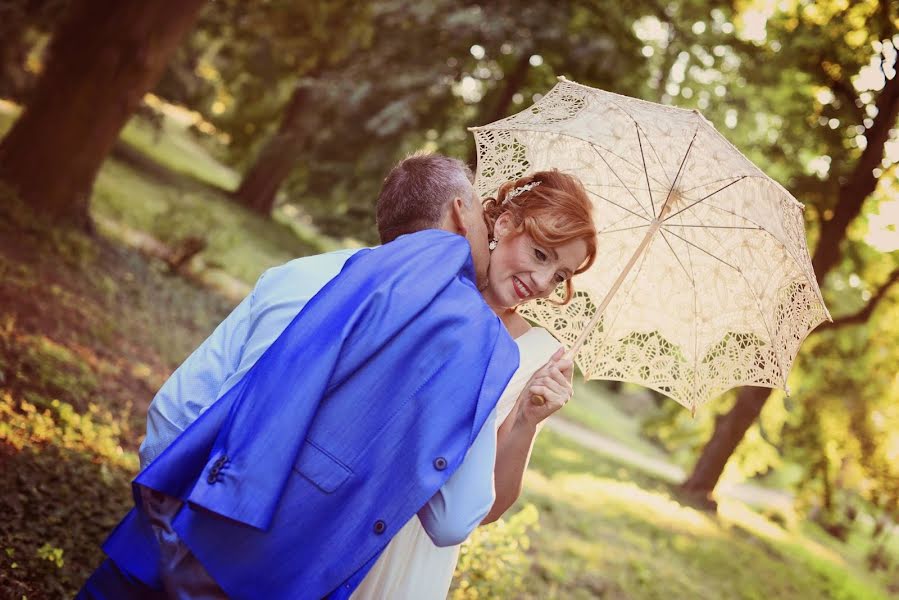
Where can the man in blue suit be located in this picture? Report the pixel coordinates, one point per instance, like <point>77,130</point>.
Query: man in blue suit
<point>341,476</point>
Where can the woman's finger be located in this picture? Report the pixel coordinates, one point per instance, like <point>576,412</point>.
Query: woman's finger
<point>542,371</point>
<point>566,367</point>
<point>540,390</point>
<point>551,401</point>
<point>554,386</point>
<point>555,358</point>
<point>558,396</point>
<point>563,386</point>
<point>559,377</point>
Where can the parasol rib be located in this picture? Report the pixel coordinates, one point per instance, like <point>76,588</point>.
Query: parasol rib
<point>701,249</point>
<point>704,198</point>
<point>615,173</point>
<point>636,214</point>
<point>670,247</point>
<point>623,229</point>
<point>645,171</point>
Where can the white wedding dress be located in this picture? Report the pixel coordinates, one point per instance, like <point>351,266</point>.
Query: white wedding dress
<point>411,566</point>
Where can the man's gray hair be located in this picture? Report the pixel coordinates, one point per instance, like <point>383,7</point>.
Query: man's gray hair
<point>418,191</point>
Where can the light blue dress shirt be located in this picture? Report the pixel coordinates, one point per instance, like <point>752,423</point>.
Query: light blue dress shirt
<point>238,342</point>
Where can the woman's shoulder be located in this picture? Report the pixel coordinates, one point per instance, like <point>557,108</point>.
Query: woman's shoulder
<point>521,330</point>
<point>515,324</point>
<point>540,339</point>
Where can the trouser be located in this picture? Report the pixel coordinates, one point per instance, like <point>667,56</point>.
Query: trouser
<point>183,577</point>
<point>109,582</point>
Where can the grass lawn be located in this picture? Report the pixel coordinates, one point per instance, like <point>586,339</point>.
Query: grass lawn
<point>610,531</point>
<point>173,146</point>
<point>88,331</point>
<point>601,410</point>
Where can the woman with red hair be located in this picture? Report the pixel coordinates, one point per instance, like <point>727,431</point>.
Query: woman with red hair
<point>541,235</point>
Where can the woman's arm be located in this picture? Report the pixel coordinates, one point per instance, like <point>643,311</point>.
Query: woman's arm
<point>515,438</point>
<point>514,441</point>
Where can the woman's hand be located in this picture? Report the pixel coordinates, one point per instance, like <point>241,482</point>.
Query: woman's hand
<point>553,383</point>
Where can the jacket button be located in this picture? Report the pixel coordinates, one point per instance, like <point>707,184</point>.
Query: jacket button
<point>213,476</point>
<point>379,527</point>
<point>440,463</point>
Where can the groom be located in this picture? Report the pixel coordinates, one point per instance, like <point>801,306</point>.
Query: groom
<point>227,366</point>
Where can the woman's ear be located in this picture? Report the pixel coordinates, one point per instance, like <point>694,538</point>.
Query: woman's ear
<point>502,226</point>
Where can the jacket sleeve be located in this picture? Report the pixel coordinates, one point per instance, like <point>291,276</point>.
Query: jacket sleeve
<point>461,504</point>
<point>237,465</point>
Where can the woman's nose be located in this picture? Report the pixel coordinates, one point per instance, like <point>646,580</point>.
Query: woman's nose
<point>543,279</point>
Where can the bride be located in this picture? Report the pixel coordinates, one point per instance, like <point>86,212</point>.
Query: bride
<point>542,234</point>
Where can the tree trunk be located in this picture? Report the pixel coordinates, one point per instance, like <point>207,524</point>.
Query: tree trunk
<point>103,58</point>
<point>731,427</point>
<point>729,431</point>
<point>860,184</point>
<point>259,188</point>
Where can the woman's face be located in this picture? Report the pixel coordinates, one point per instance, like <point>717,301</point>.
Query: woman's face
<point>521,269</point>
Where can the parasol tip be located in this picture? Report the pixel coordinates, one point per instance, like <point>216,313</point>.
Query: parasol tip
<point>561,78</point>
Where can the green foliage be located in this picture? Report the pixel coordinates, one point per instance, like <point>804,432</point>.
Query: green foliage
<point>65,484</point>
<point>493,561</point>
<point>23,25</point>
<point>52,554</point>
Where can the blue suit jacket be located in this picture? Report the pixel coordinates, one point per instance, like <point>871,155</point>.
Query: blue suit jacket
<point>298,476</point>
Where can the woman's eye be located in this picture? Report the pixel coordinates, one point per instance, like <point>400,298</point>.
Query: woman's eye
<point>560,279</point>
<point>539,254</point>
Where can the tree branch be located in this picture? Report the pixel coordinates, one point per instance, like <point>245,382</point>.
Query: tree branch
<point>864,314</point>
<point>842,89</point>
<point>861,181</point>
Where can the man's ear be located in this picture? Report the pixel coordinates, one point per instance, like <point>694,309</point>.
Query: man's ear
<point>457,217</point>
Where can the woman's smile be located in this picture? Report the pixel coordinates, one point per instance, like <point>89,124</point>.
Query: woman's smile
<point>521,290</point>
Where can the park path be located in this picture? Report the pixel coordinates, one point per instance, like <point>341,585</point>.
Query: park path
<point>748,493</point>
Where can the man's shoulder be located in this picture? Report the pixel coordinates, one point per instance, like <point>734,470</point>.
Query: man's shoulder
<point>312,270</point>
<point>316,261</point>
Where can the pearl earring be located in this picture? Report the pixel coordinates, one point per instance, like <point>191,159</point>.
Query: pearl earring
<point>493,243</point>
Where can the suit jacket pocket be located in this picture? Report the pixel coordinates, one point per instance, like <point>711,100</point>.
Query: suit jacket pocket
<point>319,467</point>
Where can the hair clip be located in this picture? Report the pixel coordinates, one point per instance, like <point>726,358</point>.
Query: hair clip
<point>522,189</point>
